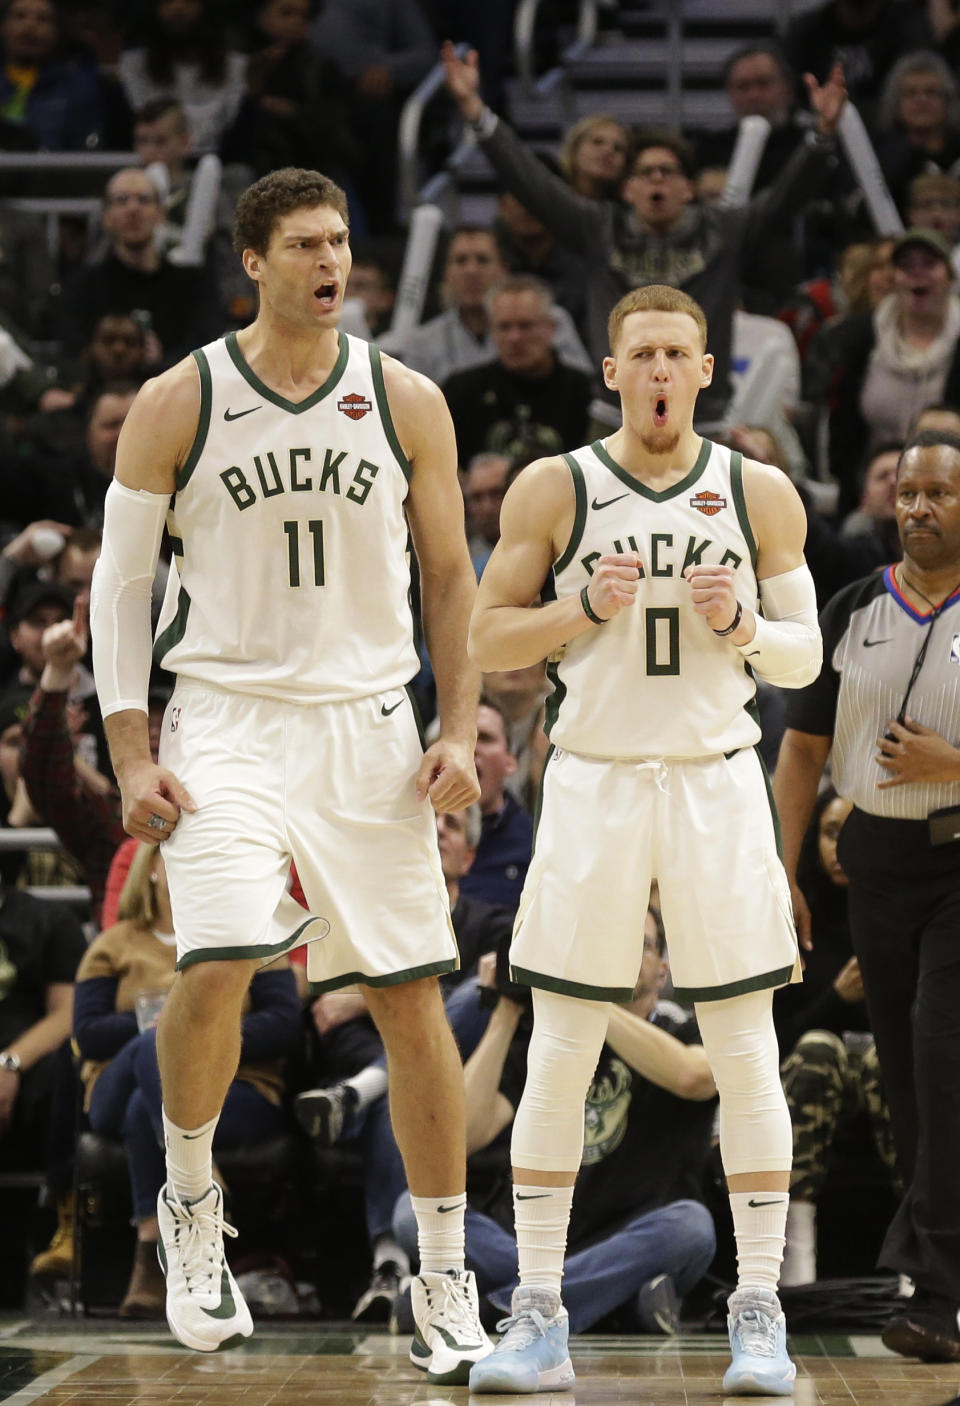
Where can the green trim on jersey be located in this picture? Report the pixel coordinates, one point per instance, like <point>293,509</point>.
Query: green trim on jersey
<point>203,424</point>
<point>231,954</point>
<point>177,628</point>
<point>176,545</point>
<point>774,813</point>
<point>295,407</point>
<point>642,488</point>
<point>555,700</point>
<point>317,988</point>
<point>686,994</point>
<point>557,984</point>
<point>740,503</point>
<point>386,419</point>
<point>580,515</point>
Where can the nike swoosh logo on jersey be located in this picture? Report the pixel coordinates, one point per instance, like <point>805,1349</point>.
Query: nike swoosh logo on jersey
<point>239,414</point>
<point>598,506</point>
<point>868,644</point>
<point>385,711</point>
<point>226,1308</point>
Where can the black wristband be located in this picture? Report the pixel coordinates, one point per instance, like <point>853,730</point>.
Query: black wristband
<point>588,609</point>
<point>733,623</point>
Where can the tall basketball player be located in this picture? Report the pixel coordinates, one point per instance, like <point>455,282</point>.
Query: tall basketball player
<point>663,549</point>
<point>287,462</point>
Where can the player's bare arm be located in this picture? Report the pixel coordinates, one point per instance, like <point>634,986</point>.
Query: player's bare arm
<point>155,441</point>
<point>448,585</point>
<point>510,630</point>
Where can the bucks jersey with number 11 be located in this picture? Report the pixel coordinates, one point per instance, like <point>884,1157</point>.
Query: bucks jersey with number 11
<point>655,681</point>
<point>290,573</point>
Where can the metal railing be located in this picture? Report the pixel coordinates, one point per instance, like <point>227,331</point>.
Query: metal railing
<point>43,838</point>
<point>408,135</point>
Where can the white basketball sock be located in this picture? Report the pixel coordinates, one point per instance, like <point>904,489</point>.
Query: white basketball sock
<point>759,1225</point>
<point>369,1085</point>
<point>541,1216</point>
<point>440,1231</point>
<point>189,1154</point>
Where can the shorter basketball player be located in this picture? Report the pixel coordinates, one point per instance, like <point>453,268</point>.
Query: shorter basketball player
<point>679,574</point>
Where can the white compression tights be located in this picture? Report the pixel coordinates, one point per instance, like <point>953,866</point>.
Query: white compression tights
<point>567,1038</point>
<point>741,1045</point>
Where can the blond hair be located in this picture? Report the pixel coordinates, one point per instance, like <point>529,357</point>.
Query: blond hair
<point>655,297</point>
<point>138,897</point>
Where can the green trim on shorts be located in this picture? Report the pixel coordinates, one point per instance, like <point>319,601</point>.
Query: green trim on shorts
<point>260,950</point>
<point>781,977</point>
<point>450,964</point>
<point>523,977</point>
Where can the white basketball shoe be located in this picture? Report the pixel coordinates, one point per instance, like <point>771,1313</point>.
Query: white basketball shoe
<point>205,1309</point>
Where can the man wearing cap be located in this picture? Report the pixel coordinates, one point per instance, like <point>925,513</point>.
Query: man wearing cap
<point>887,365</point>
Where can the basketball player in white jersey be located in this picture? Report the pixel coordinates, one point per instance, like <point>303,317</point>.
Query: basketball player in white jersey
<point>664,549</point>
<point>287,462</point>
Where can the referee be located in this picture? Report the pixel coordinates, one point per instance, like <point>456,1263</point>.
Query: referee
<point>886,710</point>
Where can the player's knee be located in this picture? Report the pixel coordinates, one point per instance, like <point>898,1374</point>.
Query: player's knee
<point>208,985</point>
<point>409,1012</point>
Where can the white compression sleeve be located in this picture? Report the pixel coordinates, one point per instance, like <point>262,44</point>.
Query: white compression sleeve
<point>120,596</point>
<point>787,649</point>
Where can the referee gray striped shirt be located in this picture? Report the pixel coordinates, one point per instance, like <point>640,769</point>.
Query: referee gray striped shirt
<point>871,638</point>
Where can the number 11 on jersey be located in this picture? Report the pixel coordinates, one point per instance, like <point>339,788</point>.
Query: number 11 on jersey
<point>292,529</point>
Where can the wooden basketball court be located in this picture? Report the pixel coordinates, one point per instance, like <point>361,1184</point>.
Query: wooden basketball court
<point>104,1363</point>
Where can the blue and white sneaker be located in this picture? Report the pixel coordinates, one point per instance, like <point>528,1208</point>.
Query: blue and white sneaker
<point>448,1337</point>
<point>532,1355</point>
<point>758,1343</point>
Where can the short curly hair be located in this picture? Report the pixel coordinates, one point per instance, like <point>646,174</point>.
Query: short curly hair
<point>262,205</point>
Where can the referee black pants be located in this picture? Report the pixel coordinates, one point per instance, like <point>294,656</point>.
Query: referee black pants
<point>905,926</point>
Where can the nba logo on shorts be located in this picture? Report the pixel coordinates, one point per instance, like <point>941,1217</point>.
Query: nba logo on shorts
<point>175,718</point>
<point>955,650</point>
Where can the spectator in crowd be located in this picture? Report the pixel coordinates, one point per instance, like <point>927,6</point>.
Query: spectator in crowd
<point>876,517</point>
<point>41,945</point>
<point>79,802</point>
<point>56,95</point>
<point>918,121</point>
<point>884,366</point>
<point>865,36</point>
<point>295,112</point>
<point>519,694</point>
<point>121,983</point>
<point>26,270</point>
<point>640,1235</point>
<point>25,868</point>
<point>862,280</point>
<point>161,135</point>
<point>459,338</point>
<point>595,156</point>
<point>525,403</point>
<point>372,283</point>
<point>661,235</point>
<point>830,1073</point>
<point>354,1109</point>
<point>384,48</point>
<point>933,202</point>
<point>506,839</point>
<point>938,417</point>
<point>527,246</point>
<point>32,607</point>
<point>185,57</point>
<point>758,83</point>
<point>486,483</point>
<point>177,305</point>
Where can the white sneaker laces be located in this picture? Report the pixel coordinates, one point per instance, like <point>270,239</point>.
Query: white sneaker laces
<point>520,1330</point>
<point>198,1238</point>
<point>757,1333</point>
<point>454,1305</point>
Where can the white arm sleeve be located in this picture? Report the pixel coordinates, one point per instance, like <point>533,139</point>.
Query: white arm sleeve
<point>120,596</point>
<point>787,649</point>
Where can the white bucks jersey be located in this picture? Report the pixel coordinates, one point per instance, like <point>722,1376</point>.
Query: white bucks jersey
<point>655,681</point>
<point>290,573</point>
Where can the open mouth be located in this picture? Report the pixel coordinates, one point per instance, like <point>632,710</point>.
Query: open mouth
<point>326,294</point>
<point>660,412</point>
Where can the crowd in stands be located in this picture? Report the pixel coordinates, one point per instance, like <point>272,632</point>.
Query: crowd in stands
<point>834,343</point>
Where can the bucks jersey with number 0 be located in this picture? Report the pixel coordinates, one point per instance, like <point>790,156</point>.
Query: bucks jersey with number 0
<point>290,573</point>
<point>655,681</point>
